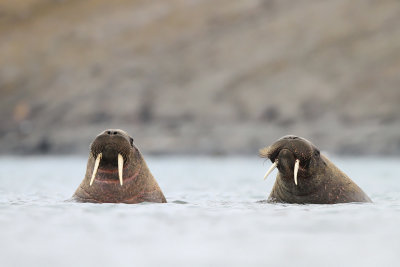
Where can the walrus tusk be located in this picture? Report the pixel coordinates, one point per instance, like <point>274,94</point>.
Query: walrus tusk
<point>120,165</point>
<point>296,169</point>
<point>271,169</point>
<point>96,166</point>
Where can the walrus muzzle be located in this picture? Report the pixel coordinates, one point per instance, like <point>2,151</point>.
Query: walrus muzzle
<point>289,153</point>
<point>110,148</point>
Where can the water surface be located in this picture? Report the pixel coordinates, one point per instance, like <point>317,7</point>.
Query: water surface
<point>213,218</point>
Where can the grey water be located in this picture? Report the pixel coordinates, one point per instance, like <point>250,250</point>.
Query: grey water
<point>215,217</point>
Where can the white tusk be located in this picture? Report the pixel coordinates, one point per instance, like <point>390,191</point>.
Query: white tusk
<point>120,165</point>
<point>271,169</point>
<point>296,169</point>
<point>96,166</point>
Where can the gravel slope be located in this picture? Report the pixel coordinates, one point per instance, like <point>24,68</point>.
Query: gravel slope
<point>200,76</point>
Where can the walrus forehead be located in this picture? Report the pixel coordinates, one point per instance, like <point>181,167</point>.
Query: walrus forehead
<point>300,147</point>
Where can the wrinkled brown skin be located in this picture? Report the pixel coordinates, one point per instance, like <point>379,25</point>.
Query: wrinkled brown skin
<point>139,184</point>
<point>319,180</point>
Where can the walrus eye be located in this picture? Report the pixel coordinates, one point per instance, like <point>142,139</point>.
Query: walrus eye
<point>316,153</point>
<point>131,141</point>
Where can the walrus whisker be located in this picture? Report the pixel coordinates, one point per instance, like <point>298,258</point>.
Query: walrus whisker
<point>96,166</point>
<point>271,169</point>
<point>296,170</point>
<point>120,167</point>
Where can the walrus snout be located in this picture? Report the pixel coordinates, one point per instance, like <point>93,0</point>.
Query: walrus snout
<point>286,160</point>
<point>290,154</point>
<point>111,143</point>
<point>111,150</point>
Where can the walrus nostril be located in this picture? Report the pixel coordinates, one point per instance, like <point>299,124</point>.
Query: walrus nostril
<point>112,132</point>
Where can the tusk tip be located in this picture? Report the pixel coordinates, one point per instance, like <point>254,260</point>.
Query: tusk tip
<point>270,169</point>
<point>96,166</point>
<point>296,169</point>
<point>120,169</point>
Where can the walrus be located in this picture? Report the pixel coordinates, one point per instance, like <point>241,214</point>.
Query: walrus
<point>117,173</point>
<point>307,176</point>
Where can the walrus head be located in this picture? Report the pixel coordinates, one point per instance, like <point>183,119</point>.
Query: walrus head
<point>112,149</point>
<point>307,176</point>
<point>297,160</point>
<point>116,172</point>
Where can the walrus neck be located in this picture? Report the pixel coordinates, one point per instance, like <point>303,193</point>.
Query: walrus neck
<point>106,187</point>
<point>144,173</point>
<point>285,190</point>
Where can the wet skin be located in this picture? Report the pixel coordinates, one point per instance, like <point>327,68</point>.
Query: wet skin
<point>319,181</point>
<point>138,184</point>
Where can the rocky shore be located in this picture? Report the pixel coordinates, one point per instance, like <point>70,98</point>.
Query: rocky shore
<point>201,76</point>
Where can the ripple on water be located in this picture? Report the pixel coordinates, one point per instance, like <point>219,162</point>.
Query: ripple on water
<point>217,219</point>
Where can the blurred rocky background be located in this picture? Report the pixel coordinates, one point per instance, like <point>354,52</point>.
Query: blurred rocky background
<point>200,76</point>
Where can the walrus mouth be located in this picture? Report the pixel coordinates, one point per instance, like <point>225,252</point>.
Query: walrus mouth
<point>120,168</point>
<point>275,164</point>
